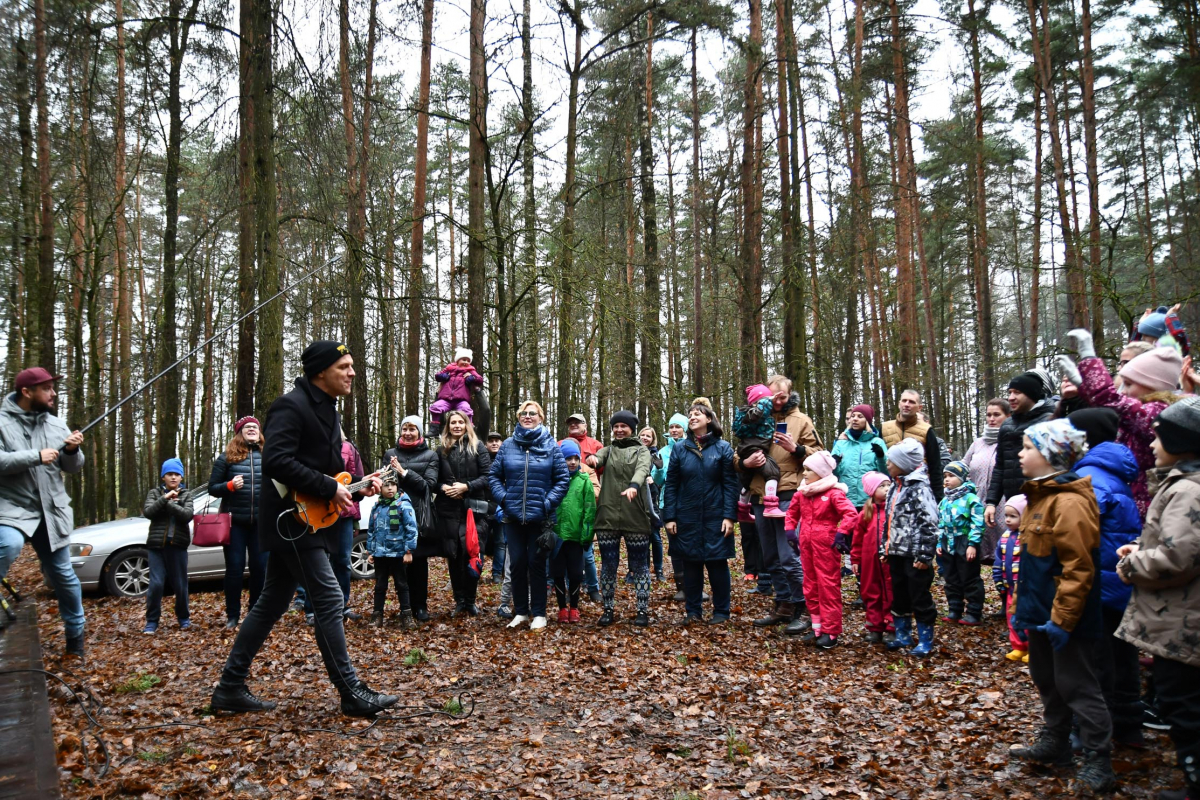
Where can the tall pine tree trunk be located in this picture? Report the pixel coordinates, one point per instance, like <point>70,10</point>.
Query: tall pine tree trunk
<point>247,235</point>
<point>45,300</point>
<point>750,279</point>
<point>698,355</point>
<point>476,223</point>
<point>270,329</point>
<point>650,396</point>
<point>416,281</point>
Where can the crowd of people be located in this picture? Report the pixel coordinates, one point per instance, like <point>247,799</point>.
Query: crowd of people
<point>1082,496</point>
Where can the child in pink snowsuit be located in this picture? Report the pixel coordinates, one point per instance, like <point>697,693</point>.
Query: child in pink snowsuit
<point>825,518</point>
<point>458,379</point>
<point>874,577</point>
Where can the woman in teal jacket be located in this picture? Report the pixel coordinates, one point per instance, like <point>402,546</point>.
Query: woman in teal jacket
<point>859,450</point>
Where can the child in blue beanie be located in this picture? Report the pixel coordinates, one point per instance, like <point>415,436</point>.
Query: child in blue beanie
<point>169,509</point>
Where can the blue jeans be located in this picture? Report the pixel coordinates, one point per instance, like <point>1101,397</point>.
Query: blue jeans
<point>501,550</point>
<point>341,537</point>
<point>242,539</point>
<point>779,558</point>
<point>590,579</point>
<point>167,565</point>
<point>527,568</point>
<point>56,567</point>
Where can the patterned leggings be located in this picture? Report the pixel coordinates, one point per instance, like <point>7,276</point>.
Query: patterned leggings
<point>637,549</point>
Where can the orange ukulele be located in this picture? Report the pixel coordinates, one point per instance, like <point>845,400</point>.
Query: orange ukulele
<point>319,514</point>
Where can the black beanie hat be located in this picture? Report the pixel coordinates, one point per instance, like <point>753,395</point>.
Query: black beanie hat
<point>1029,384</point>
<point>320,355</point>
<point>1100,424</point>
<point>1178,426</point>
<point>628,417</point>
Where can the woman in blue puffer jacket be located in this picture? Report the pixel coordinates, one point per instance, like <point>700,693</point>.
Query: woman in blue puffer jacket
<point>528,479</point>
<point>1113,468</point>
<point>237,479</point>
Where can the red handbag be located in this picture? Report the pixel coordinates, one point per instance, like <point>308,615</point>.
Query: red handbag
<point>211,530</point>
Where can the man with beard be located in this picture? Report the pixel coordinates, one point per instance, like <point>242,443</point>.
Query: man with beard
<point>36,447</point>
<point>908,424</point>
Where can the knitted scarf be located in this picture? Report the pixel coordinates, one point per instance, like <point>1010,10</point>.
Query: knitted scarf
<point>991,435</point>
<point>393,510</point>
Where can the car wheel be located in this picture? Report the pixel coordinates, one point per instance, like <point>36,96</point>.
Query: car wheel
<point>360,568</point>
<point>127,574</point>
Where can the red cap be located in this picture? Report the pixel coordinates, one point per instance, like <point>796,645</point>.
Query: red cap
<point>243,422</point>
<point>34,376</point>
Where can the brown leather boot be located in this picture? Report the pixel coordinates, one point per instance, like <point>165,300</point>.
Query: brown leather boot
<point>782,613</point>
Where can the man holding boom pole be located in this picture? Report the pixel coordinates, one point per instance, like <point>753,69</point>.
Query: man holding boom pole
<point>36,448</point>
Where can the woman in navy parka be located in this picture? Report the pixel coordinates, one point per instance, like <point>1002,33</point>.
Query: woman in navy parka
<point>700,509</point>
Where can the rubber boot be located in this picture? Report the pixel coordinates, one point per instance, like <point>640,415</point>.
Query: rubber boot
<point>771,501</point>
<point>903,636</point>
<point>744,513</point>
<point>924,640</point>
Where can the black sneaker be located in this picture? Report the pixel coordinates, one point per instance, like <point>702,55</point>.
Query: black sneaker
<point>230,624</point>
<point>504,612</point>
<point>1151,719</point>
<point>421,615</point>
<point>642,620</point>
<point>359,701</point>
<point>826,642</point>
<point>607,618</point>
<point>594,596</point>
<point>1047,748</point>
<point>717,619</point>
<point>1096,772</point>
<point>385,700</point>
<point>237,700</point>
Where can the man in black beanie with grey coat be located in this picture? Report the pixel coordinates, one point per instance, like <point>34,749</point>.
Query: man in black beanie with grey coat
<point>303,449</point>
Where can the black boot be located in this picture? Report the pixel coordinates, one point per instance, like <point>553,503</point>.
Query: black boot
<point>237,700</point>
<point>358,700</point>
<point>782,613</point>
<point>1096,772</point>
<point>75,646</point>
<point>406,619</point>
<point>1048,748</point>
<point>798,626</point>
<point>460,608</point>
<point>377,619</point>
<point>607,618</point>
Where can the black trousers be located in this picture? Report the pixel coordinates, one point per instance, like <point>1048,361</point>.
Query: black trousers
<point>910,590</point>
<point>1068,682</point>
<point>566,568</point>
<point>751,549</point>
<point>1178,688</point>
<point>462,582</point>
<point>964,584</point>
<point>1120,677</point>
<point>285,571</point>
<point>393,568</point>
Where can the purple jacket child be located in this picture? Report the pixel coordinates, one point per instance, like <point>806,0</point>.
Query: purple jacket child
<point>459,380</point>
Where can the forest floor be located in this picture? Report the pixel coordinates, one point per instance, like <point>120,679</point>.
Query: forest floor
<point>572,711</point>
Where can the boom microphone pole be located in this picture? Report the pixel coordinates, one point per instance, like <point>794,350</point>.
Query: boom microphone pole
<point>210,339</point>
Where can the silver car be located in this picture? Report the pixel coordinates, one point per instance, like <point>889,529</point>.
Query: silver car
<point>112,555</point>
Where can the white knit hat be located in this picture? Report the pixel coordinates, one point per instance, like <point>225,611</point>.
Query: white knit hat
<point>462,352</point>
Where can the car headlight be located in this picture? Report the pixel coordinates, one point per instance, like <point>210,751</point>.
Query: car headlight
<point>78,550</point>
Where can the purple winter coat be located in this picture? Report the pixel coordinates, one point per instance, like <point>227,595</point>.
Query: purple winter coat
<point>1136,430</point>
<point>457,383</point>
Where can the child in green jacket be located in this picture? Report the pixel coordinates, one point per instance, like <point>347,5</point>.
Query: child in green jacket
<point>960,537</point>
<point>576,515</point>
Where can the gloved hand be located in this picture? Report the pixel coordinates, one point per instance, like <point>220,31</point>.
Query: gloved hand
<point>1058,637</point>
<point>1066,365</point>
<point>841,542</point>
<point>548,540</point>
<point>1082,341</point>
<point>793,536</point>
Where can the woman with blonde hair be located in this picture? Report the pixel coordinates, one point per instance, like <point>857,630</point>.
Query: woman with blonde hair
<point>464,463</point>
<point>236,478</point>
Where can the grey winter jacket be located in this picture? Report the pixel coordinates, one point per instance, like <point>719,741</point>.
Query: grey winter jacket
<point>912,518</point>
<point>29,490</point>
